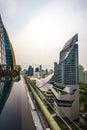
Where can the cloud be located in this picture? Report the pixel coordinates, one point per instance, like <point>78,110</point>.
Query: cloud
<point>41,29</point>
<point>9,7</point>
<point>48,31</point>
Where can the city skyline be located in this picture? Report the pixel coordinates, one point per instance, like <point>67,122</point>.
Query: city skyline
<point>38,30</point>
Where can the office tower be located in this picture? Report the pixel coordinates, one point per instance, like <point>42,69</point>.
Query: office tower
<point>67,69</point>
<point>66,78</point>
<point>85,76</point>
<point>81,74</point>
<point>30,71</point>
<point>36,69</point>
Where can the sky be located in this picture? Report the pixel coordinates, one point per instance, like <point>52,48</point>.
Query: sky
<point>38,29</point>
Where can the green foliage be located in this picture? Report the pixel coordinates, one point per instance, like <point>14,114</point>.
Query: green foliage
<point>82,98</point>
<point>83,95</point>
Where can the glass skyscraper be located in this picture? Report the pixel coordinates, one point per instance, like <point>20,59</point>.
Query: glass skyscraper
<point>6,51</point>
<point>66,78</point>
<point>66,72</point>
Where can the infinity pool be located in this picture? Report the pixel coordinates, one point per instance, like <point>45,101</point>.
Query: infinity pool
<point>15,111</point>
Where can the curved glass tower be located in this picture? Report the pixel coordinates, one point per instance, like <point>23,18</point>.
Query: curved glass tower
<point>66,72</point>
<point>7,56</point>
<point>66,78</point>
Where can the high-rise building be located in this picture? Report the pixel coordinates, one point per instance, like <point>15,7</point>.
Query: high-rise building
<point>6,50</point>
<point>66,72</point>
<point>36,69</point>
<point>81,74</point>
<point>85,76</point>
<point>66,78</point>
<point>30,71</point>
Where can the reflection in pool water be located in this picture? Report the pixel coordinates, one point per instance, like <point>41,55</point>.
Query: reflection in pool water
<point>5,89</point>
<point>10,117</point>
<point>15,111</point>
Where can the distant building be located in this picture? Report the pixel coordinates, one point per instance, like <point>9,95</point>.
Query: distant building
<point>30,71</point>
<point>24,71</point>
<point>36,75</point>
<point>40,70</point>
<point>81,74</point>
<point>46,71</point>
<point>66,78</point>
<point>85,76</point>
<point>40,67</point>
<point>42,73</point>
<point>50,71</point>
<point>36,69</point>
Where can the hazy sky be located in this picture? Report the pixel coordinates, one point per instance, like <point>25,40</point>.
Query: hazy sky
<point>38,29</point>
